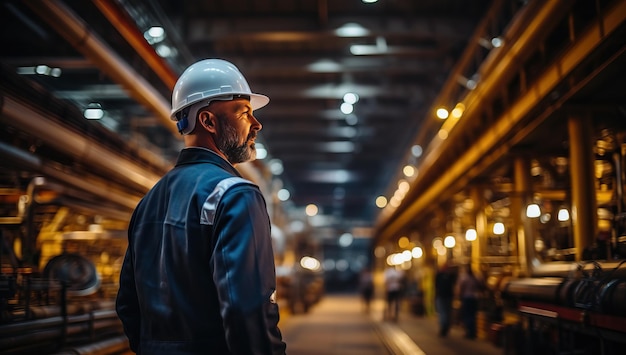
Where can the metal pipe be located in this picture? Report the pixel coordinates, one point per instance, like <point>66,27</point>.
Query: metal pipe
<point>108,346</point>
<point>525,231</point>
<point>79,35</point>
<point>74,144</point>
<point>508,63</point>
<point>584,204</point>
<point>93,186</point>
<point>422,197</point>
<point>125,26</point>
<point>54,328</point>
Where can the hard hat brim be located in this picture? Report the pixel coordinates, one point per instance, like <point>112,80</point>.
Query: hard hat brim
<point>258,101</point>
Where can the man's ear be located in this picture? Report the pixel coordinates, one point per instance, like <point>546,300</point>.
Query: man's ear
<point>207,120</point>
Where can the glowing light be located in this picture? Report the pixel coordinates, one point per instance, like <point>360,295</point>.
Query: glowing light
<point>311,210</point>
<point>458,110</point>
<point>381,201</point>
<point>93,111</point>
<point>154,34</point>
<point>283,194</point>
<point>352,30</point>
<point>498,228</point>
<point>497,42</point>
<point>408,170</point>
<point>276,166</point>
<point>350,98</point>
<point>442,113</point>
<point>346,108</point>
<point>345,240</point>
<point>417,252</point>
<point>261,152</point>
<point>416,150</point>
<point>403,242</point>
<point>470,234</point>
<point>310,263</point>
<point>563,215</point>
<point>533,211</point>
<point>449,242</point>
<point>404,186</point>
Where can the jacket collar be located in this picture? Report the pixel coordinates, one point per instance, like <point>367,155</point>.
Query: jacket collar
<point>198,155</point>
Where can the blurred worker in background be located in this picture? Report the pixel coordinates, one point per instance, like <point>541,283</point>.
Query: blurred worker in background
<point>198,276</point>
<point>394,282</point>
<point>366,288</point>
<point>469,289</point>
<point>444,295</point>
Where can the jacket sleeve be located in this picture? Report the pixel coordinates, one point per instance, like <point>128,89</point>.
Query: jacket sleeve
<point>244,272</point>
<point>127,303</point>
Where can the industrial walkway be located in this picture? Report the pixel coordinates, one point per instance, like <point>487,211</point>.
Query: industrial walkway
<point>339,326</point>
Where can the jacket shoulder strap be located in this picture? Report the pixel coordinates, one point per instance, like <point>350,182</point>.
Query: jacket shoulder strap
<point>210,205</point>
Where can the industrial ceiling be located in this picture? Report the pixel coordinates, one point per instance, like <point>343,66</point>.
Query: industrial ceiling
<point>396,56</point>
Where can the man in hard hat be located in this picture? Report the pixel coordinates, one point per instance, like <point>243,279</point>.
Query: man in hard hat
<point>198,276</point>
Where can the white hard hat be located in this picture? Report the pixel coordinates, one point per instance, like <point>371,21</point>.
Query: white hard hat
<point>204,81</point>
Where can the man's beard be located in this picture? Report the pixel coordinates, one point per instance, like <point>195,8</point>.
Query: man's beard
<point>228,144</point>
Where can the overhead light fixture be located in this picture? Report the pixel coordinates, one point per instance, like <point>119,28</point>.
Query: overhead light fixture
<point>408,170</point>
<point>261,152</point>
<point>325,66</point>
<point>469,84</point>
<point>498,228</point>
<point>381,201</point>
<point>533,210</point>
<point>351,98</point>
<point>310,263</point>
<point>276,166</point>
<point>449,242</point>
<point>352,30</point>
<point>417,150</point>
<point>165,51</point>
<point>345,240</point>
<point>495,42</point>
<point>335,176</point>
<point>346,108</point>
<point>93,111</point>
<point>563,215</point>
<point>417,252</point>
<point>283,194</point>
<point>458,110</point>
<point>470,234</point>
<point>442,113</point>
<point>311,210</point>
<point>404,186</point>
<point>154,34</point>
<point>39,70</point>
<point>380,47</point>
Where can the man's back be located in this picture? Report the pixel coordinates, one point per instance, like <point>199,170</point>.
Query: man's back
<point>182,259</point>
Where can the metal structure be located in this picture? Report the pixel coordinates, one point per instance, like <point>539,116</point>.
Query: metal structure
<point>534,92</point>
<point>298,53</point>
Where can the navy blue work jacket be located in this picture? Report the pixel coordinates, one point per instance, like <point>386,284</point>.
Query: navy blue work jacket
<point>198,276</point>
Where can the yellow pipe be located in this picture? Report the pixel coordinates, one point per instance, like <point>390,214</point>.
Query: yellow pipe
<point>506,123</point>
